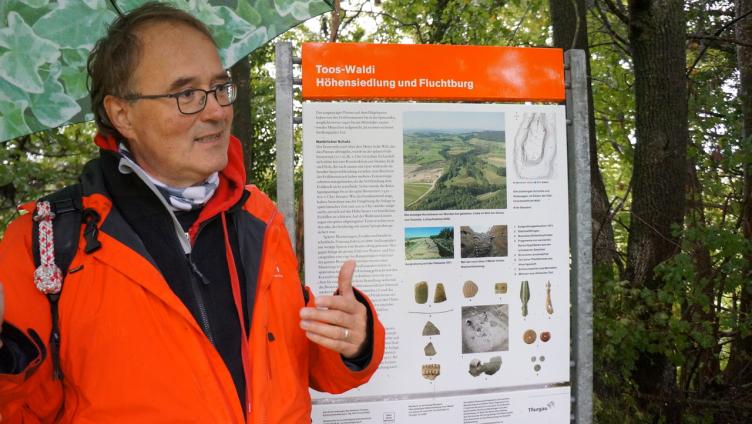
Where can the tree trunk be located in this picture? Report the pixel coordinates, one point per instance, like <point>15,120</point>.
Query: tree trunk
<point>241,117</point>
<point>570,32</point>
<point>706,360</point>
<point>739,369</point>
<point>657,30</point>
<point>334,27</point>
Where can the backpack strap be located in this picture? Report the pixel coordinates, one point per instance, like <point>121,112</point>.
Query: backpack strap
<point>58,218</point>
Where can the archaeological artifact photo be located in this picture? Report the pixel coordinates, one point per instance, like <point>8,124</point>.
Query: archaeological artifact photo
<point>535,146</point>
<point>485,328</point>
<point>479,242</point>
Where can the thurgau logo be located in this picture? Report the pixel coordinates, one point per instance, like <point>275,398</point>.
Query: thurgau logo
<point>547,407</point>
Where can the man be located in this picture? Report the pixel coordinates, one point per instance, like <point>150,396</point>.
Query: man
<point>182,303</point>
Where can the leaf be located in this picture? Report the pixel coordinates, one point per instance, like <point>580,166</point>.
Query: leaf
<point>26,53</point>
<point>75,57</point>
<point>54,107</point>
<point>11,93</point>
<point>298,9</point>
<point>241,47</point>
<point>316,8</point>
<point>201,9</point>
<point>248,12</point>
<point>74,24</point>
<point>36,4</point>
<point>23,8</point>
<point>233,27</point>
<point>75,83</point>
<point>12,123</point>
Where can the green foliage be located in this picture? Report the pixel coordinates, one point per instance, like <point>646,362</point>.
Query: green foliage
<point>263,155</point>
<point>694,318</point>
<point>38,90</point>
<point>482,22</point>
<point>37,164</point>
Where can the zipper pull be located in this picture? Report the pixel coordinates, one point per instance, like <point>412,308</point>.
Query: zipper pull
<point>196,271</point>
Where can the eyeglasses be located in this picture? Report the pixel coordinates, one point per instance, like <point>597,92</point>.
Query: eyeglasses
<point>193,100</point>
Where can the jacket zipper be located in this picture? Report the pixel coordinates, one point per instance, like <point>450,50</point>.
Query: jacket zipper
<point>196,275</point>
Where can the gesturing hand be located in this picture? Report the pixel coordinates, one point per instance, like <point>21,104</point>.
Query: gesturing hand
<point>338,322</point>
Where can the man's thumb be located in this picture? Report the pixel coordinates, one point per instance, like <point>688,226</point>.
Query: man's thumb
<point>344,281</point>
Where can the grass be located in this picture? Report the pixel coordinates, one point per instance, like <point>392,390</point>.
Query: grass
<point>487,196</point>
<point>493,177</point>
<point>473,163</point>
<point>414,191</point>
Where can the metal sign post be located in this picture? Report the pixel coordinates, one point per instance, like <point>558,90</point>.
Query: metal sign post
<point>580,235</point>
<point>284,118</point>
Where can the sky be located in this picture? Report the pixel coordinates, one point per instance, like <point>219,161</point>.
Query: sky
<point>440,120</point>
<point>412,232</point>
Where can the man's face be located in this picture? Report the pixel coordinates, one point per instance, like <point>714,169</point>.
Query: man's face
<point>179,150</point>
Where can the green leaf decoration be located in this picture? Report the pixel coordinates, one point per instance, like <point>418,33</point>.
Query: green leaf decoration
<point>74,24</point>
<point>12,122</point>
<point>74,82</point>
<point>126,5</point>
<point>44,46</point>
<point>26,53</point>
<point>249,13</point>
<point>232,26</point>
<point>75,58</point>
<point>54,107</point>
<point>239,48</point>
<point>36,4</point>
<point>202,10</point>
<point>12,93</point>
<point>298,9</point>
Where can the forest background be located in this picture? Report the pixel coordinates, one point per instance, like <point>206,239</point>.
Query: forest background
<point>671,162</point>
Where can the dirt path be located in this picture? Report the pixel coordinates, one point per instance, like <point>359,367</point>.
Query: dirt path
<point>433,186</point>
<point>423,248</point>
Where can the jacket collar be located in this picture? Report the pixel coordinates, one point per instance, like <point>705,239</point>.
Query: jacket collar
<point>231,179</point>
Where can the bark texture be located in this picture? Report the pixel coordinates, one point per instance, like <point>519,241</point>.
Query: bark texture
<point>739,369</point>
<point>657,30</point>
<point>241,117</point>
<point>569,22</point>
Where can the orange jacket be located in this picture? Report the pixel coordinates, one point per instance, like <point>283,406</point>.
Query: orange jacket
<point>131,351</point>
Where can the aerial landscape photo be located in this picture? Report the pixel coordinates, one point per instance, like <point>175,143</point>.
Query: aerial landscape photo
<point>429,243</point>
<point>454,160</point>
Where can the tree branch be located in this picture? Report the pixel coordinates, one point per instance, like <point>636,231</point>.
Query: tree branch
<point>519,24</point>
<point>620,42</point>
<point>355,15</point>
<point>716,34</point>
<point>618,11</point>
<point>415,25</point>
<point>714,38</point>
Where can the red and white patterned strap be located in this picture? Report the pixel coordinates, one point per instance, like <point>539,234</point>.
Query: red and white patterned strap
<point>47,276</point>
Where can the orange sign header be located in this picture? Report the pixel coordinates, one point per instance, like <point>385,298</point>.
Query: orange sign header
<point>339,71</point>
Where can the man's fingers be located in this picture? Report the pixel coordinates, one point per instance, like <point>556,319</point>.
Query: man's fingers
<point>333,332</point>
<point>340,303</point>
<point>344,340</point>
<point>344,281</point>
<point>328,316</point>
<point>336,345</point>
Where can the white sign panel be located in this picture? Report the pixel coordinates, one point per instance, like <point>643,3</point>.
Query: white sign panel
<point>457,217</point>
